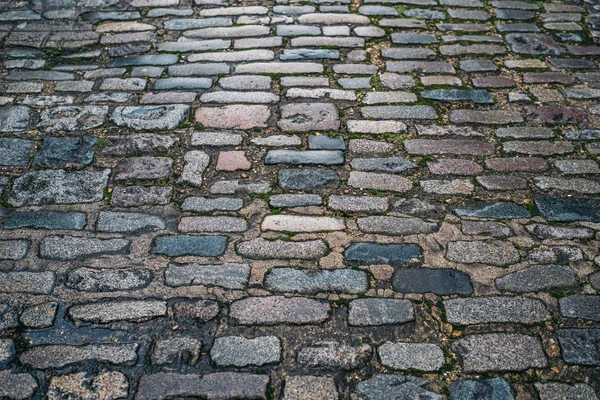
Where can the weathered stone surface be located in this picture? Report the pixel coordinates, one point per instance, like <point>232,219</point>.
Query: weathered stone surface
<point>557,391</point>
<point>448,146</point>
<point>375,181</point>
<point>15,152</point>
<point>494,253</point>
<point>105,386</point>
<point>309,117</point>
<point>75,248</point>
<point>27,282</point>
<point>279,310</point>
<point>15,385</point>
<point>229,275</point>
<point>305,157</point>
<point>494,388</point>
<point>374,253</point>
<point>309,388</point>
<point>178,349</point>
<point>355,204</point>
<point>212,224</point>
<point>14,119</point>
<point>298,223</point>
<point>39,316</point>
<point>241,352</point>
<point>483,310</point>
<point>308,179</point>
<point>132,196</point>
<point>419,356</point>
<point>538,278</point>
<point>499,352</point>
<point>57,356</point>
<point>233,116</point>
<point>108,280</point>
<point>165,117</point>
<point>294,200</point>
<point>373,312</point>
<point>392,165</point>
<point>128,222</point>
<point>180,245</point>
<point>559,232</point>
<point>499,210</point>
<point>580,346</point>
<point>266,249</point>
<point>72,118</point>
<point>14,249</point>
<point>392,387</point>
<point>307,281</point>
<point>201,310</point>
<point>59,187</point>
<point>395,226</point>
<point>581,306</point>
<point>426,280</point>
<point>533,43</point>
<point>454,186</point>
<point>132,310</point>
<point>569,209</point>
<point>334,355</point>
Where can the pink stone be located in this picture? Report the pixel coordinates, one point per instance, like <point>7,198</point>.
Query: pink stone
<point>233,161</point>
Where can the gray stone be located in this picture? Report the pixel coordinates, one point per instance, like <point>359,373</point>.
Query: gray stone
<point>538,278</point>
<point>212,224</point>
<point>305,157</point>
<point>442,282</point>
<point>418,207</point>
<point>308,179</point>
<point>580,346</point>
<point>531,43</point>
<point>195,23</point>
<point>585,134</point>
<point>306,281</point>
<point>559,232</point>
<point>27,282</point>
<point>14,119</point>
<point>419,356</point>
<point>326,143</point>
<point>15,152</point>
<point>201,310</point>
<point>8,317</point>
<point>162,117</point>
<point>477,65</point>
<point>76,248</point>
<point>17,385</point>
<point>499,210</point>
<point>473,96</point>
<point>484,310</point>
<point>14,249</point>
<point>558,391</point>
<point>144,168</point>
<point>105,385</point>
<point>478,252</point>
<point>7,351</point>
<point>132,196</point>
<point>214,386</point>
<point>484,389</point>
<point>206,138</point>
<point>499,352</point>
<point>45,220</point>
<point>196,163</point>
<point>307,54</point>
<point>375,181</point>
<point>58,356</point>
<point>229,275</point>
<point>240,187</point>
<point>308,117</point>
<point>127,310</point>
<point>373,312</point>
<point>357,204</point>
<point>399,112</point>
<point>487,228</point>
<point>394,387</point>
<point>128,222</point>
<point>241,352</point>
<point>579,185</point>
<point>138,144</point>
<point>310,388</point>
<point>580,306</point>
<point>395,226</point>
<point>175,350</point>
<point>454,186</point>
<point>59,187</point>
<point>374,253</point>
<point>72,118</point>
<point>392,165</point>
<point>448,146</point>
<point>331,354</point>
<point>556,255</point>
<point>575,167</point>
<point>180,245</point>
<point>274,310</point>
<point>294,200</point>
<point>108,280</point>
<point>39,316</point>
<point>413,38</point>
<point>205,204</point>
<point>569,209</point>
<point>183,83</point>
<point>154,59</point>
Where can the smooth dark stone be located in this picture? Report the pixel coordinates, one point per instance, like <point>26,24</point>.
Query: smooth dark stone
<point>45,220</point>
<point>308,179</point>
<point>373,253</point>
<point>580,346</point>
<point>569,209</point>
<point>60,152</point>
<point>203,246</point>
<point>439,281</point>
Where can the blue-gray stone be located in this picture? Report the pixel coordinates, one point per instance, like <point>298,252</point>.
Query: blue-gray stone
<point>485,389</point>
<point>307,281</point>
<point>478,66</point>
<point>581,306</point>
<point>569,209</point>
<point>180,245</point>
<point>45,220</point>
<point>413,38</point>
<point>183,83</point>
<point>309,54</point>
<point>474,96</point>
<point>70,151</point>
<point>392,165</point>
<point>374,253</point>
<point>580,346</point>
<point>500,210</point>
<point>308,179</point>
<point>15,152</point>
<point>426,280</point>
<point>156,59</point>
<point>585,134</point>
<point>306,157</point>
<point>14,119</point>
<point>395,387</point>
<point>326,143</point>
<point>295,200</point>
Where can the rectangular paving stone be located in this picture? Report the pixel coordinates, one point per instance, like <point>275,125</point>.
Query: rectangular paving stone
<point>375,312</point>
<point>180,245</point>
<point>27,282</point>
<point>376,181</point>
<point>274,310</point>
<point>233,116</point>
<point>69,220</point>
<point>299,223</point>
<point>286,280</point>
<point>212,224</point>
<point>425,67</point>
<point>66,248</point>
<point>485,310</point>
<point>399,112</point>
<point>568,209</point>
<point>429,280</point>
<point>304,157</point>
<point>448,146</point>
<point>129,310</point>
<point>472,252</point>
<point>580,346</point>
<point>239,351</point>
<point>57,356</point>
<point>485,117</point>
<point>365,253</point>
<point>228,275</point>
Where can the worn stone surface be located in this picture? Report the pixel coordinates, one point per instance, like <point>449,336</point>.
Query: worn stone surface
<point>494,253</point>
<point>241,352</point>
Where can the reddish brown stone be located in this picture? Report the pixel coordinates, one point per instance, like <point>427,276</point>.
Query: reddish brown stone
<point>555,115</point>
<point>233,161</point>
<point>517,164</point>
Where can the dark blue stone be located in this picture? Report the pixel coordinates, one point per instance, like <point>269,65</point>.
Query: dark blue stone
<point>308,179</point>
<point>569,209</point>
<point>425,280</point>
<point>45,220</point>
<point>70,151</point>
<point>580,346</point>
<point>373,253</point>
<point>181,245</point>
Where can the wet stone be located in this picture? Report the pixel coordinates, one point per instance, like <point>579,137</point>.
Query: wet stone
<point>580,346</point>
<point>374,253</point>
<point>108,280</point>
<point>374,312</point>
<point>493,253</point>
<point>15,385</point>
<point>241,352</point>
<point>307,179</point>
<point>425,280</point>
<point>392,387</point>
<point>419,356</point>
<point>15,152</point>
<point>484,310</point>
<point>39,316</point>
<point>538,278</point>
<point>306,281</point>
<point>57,356</point>
<point>105,385</point>
<point>180,245</point>
<point>150,117</point>
<point>484,389</point>
<point>333,354</point>
<point>279,310</point>
<point>569,209</point>
<point>499,352</point>
<point>581,306</point>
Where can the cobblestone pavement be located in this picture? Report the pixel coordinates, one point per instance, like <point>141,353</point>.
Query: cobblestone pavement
<point>378,200</point>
